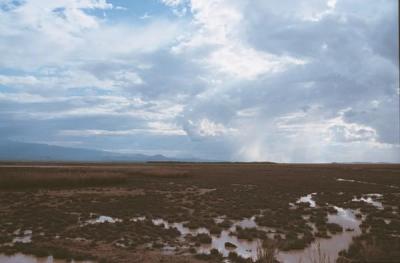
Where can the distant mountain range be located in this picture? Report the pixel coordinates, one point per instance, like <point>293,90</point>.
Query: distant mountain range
<point>21,151</point>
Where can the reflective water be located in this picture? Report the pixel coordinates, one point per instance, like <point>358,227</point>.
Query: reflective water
<point>21,258</point>
<point>363,182</point>
<point>179,226</point>
<point>307,199</point>
<point>248,249</point>
<point>138,219</point>
<point>244,248</point>
<point>22,236</point>
<point>329,248</point>
<point>370,199</point>
<point>104,219</point>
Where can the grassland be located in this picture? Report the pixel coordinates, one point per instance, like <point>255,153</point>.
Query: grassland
<point>58,202</point>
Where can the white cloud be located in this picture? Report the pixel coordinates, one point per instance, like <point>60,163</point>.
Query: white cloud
<point>207,128</point>
<point>152,112</point>
<point>18,80</point>
<point>73,79</point>
<point>247,63</point>
<point>333,130</point>
<point>179,7</point>
<point>136,131</point>
<point>303,10</point>
<point>173,3</point>
<point>128,78</point>
<point>306,136</point>
<point>246,80</point>
<point>22,97</point>
<point>218,25</point>
<point>61,33</point>
<point>248,112</point>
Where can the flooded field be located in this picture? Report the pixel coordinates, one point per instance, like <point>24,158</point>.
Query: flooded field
<point>199,212</point>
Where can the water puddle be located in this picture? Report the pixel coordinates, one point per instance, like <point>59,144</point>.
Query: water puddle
<point>346,218</point>
<point>138,219</point>
<point>307,199</point>
<point>225,242</point>
<point>328,247</point>
<point>370,199</point>
<point>103,219</point>
<point>22,237</point>
<point>21,258</point>
<point>168,250</point>
<point>348,180</point>
<point>179,226</point>
<point>363,182</point>
<point>244,248</point>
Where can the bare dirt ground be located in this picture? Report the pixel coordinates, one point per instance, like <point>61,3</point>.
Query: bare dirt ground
<point>176,212</point>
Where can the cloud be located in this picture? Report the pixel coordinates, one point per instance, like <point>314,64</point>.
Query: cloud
<point>248,63</point>
<point>294,81</point>
<point>206,128</point>
<point>83,133</point>
<point>18,80</point>
<point>64,33</point>
<point>217,27</point>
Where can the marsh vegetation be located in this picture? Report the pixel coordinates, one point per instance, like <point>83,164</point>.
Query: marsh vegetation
<point>183,212</point>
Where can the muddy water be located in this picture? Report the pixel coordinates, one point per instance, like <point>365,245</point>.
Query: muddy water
<point>244,248</point>
<point>179,226</point>
<point>104,219</point>
<point>363,182</point>
<point>330,247</point>
<point>370,199</point>
<point>307,199</point>
<point>21,258</point>
<point>327,248</point>
<point>22,236</point>
<point>248,249</point>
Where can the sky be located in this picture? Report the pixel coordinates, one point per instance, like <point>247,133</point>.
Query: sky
<point>236,80</point>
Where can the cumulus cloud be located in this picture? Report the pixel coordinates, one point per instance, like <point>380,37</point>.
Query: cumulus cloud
<point>305,81</point>
<point>206,128</point>
<point>217,26</point>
